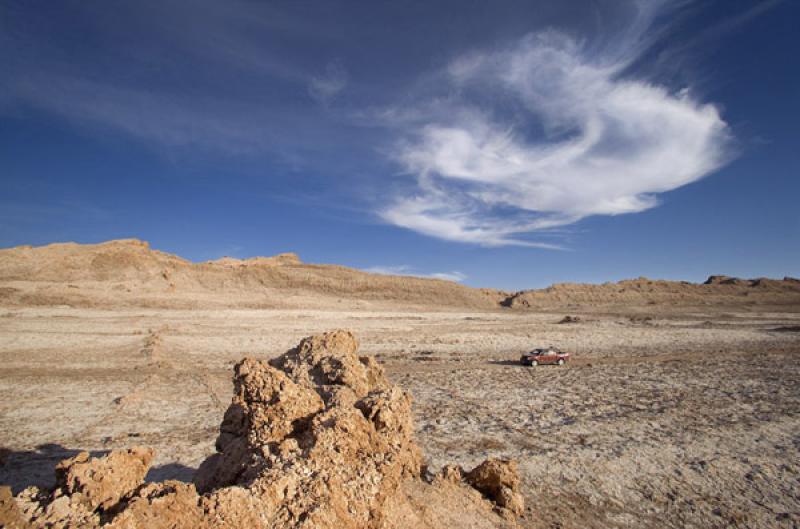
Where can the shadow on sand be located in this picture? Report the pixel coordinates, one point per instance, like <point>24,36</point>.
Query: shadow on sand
<point>20,469</point>
<point>506,363</point>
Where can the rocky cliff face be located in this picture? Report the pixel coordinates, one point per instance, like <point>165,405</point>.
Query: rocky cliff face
<point>317,438</point>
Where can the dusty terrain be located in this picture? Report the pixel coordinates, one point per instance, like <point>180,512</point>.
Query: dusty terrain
<point>681,414</point>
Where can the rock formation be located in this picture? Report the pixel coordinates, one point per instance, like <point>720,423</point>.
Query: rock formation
<point>316,438</point>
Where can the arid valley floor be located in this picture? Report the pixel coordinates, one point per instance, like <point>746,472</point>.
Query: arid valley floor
<point>676,421</point>
<point>680,406</point>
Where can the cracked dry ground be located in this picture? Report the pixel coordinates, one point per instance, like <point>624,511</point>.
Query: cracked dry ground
<point>680,421</point>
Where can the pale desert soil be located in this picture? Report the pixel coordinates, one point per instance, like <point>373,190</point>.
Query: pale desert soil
<point>684,421</point>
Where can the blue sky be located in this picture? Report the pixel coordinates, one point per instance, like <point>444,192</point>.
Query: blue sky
<point>506,144</point>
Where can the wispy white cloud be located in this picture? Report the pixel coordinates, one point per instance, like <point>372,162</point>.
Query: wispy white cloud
<point>405,270</point>
<point>396,270</point>
<point>448,276</point>
<point>211,77</point>
<point>699,45</point>
<point>205,123</point>
<point>323,88</point>
<point>545,133</point>
<point>163,118</point>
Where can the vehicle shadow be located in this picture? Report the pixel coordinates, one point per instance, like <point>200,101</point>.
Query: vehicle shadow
<point>506,363</point>
<point>20,469</point>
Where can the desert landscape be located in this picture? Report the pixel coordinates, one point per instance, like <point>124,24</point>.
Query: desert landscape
<point>399,265</point>
<point>679,407</point>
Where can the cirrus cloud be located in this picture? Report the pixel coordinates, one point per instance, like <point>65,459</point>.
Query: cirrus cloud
<point>544,133</point>
<point>324,88</point>
<point>405,270</point>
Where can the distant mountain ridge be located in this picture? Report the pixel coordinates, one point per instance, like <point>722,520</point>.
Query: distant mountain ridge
<point>129,273</point>
<point>644,291</point>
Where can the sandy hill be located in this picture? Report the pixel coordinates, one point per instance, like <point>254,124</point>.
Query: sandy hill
<point>719,291</point>
<point>130,273</point>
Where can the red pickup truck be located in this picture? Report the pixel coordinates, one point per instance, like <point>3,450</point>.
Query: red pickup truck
<point>548,355</point>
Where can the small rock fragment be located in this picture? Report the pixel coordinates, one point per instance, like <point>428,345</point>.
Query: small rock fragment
<point>103,481</point>
<point>499,480</point>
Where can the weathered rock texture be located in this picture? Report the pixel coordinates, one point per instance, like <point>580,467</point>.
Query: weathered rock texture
<point>316,438</point>
<point>102,482</point>
<point>499,480</point>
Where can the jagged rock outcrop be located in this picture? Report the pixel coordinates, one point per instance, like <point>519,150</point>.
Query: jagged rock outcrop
<point>319,435</point>
<point>316,438</point>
